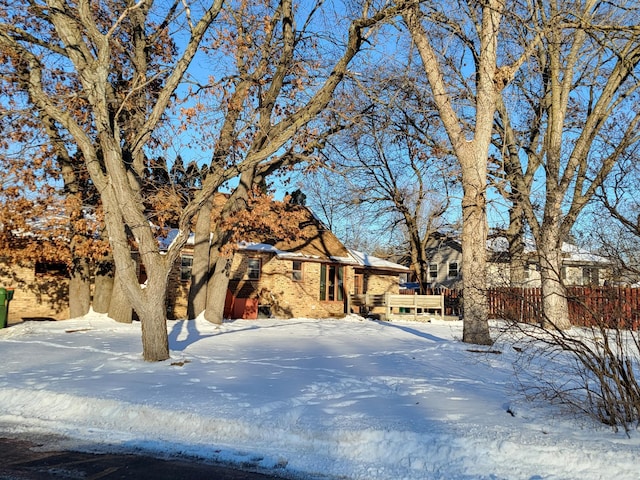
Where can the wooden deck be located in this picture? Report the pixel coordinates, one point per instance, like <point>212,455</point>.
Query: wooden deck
<point>416,307</point>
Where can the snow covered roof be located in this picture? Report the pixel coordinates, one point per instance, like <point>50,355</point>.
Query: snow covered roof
<point>571,253</point>
<point>501,244</point>
<point>577,254</point>
<point>267,248</point>
<point>366,260</point>
<point>354,258</point>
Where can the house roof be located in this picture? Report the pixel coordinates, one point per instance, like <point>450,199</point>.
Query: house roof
<point>571,253</point>
<point>354,257</point>
<point>315,243</point>
<point>577,254</point>
<point>301,254</point>
<point>318,243</point>
<point>439,240</point>
<point>370,261</point>
<point>315,240</point>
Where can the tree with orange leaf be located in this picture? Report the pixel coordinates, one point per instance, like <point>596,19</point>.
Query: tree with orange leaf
<point>45,196</point>
<point>274,99</point>
<point>108,73</point>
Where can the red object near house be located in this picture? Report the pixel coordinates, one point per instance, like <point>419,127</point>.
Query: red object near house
<point>245,308</point>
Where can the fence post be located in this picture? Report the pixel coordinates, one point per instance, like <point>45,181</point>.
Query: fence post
<point>387,303</point>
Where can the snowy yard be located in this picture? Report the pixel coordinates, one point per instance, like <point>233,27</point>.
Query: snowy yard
<point>311,399</point>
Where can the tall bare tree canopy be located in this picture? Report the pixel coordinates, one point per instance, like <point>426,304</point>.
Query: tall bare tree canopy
<point>395,162</point>
<point>565,121</point>
<point>109,74</point>
<point>614,222</point>
<point>459,48</point>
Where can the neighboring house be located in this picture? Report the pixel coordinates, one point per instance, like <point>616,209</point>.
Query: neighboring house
<point>445,260</point>
<point>312,276</point>
<point>579,267</point>
<point>40,287</point>
<point>40,290</point>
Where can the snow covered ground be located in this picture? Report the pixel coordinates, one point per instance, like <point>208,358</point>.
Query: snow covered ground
<point>310,399</point>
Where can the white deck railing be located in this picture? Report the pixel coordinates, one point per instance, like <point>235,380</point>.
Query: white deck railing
<point>401,306</point>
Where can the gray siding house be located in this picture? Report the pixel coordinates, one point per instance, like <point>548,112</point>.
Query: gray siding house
<point>579,267</point>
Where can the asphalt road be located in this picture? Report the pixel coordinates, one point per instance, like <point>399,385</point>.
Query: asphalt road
<point>31,458</point>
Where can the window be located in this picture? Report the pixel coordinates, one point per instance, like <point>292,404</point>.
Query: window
<point>296,271</point>
<point>186,263</point>
<point>253,269</point>
<point>358,284</point>
<point>331,283</point>
<point>453,270</point>
<point>433,270</point>
<point>53,269</point>
<point>590,276</point>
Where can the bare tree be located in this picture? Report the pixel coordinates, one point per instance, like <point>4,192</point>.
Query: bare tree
<point>394,163</point>
<point>566,121</point>
<point>592,372</point>
<point>275,103</point>
<point>331,199</point>
<point>128,60</point>
<point>451,39</point>
<point>613,222</point>
<point>54,41</point>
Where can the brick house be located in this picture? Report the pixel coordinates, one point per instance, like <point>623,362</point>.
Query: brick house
<point>40,290</point>
<point>311,277</point>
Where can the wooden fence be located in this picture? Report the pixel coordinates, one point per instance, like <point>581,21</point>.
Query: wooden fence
<point>611,306</point>
<point>452,300</point>
<point>615,306</point>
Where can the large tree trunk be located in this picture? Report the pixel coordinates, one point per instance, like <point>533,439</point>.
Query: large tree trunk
<point>149,302</point>
<point>422,269</point>
<point>219,266</point>
<point>153,319</point>
<point>419,261</point>
<point>554,301</point>
<point>474,254</point>
<point>217,290</point>
<point>515,237</point>
<point>517,265</point>
<point>200,267</point>
<point>472,154</point>
<point>79,288</point>
<point>119,307</point>
<point>555,307</point>
<point>126,222</point>
<point>103,285</point>
<point>150,305</point>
